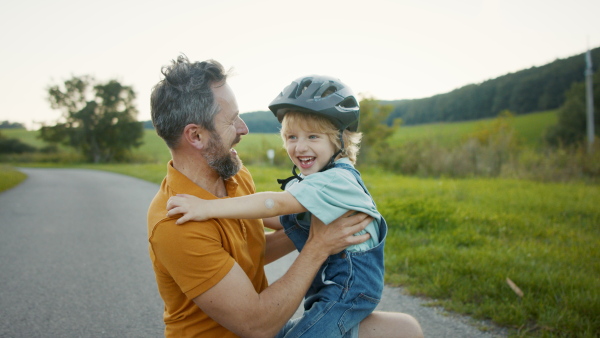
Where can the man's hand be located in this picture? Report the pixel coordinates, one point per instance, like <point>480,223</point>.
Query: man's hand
<point>190,207</point>
<point>339,234</point>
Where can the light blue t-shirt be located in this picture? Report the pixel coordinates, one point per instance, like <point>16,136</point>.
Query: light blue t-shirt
<point>331,193</point>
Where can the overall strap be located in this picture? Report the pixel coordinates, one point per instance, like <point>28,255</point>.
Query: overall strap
<point>356,175</point>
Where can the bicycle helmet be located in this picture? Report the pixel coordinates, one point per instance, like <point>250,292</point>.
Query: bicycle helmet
<point>322,95</point>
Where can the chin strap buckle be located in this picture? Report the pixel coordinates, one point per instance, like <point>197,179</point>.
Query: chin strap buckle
<point>285,181</point>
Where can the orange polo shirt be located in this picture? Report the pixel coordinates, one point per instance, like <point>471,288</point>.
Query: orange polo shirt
<point>191,258</point>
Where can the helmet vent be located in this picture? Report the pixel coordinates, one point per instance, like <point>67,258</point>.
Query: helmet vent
<point>303,87</point>
<point>349,102</point>
<point>329,91</point>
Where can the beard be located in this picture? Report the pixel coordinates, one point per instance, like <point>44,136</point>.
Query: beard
<point>220,158</point>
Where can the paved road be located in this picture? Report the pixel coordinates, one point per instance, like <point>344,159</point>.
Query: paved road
<point>74,261</point>
<point>74,257</point>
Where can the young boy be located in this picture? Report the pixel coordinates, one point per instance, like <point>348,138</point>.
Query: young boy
<point>319,117</point>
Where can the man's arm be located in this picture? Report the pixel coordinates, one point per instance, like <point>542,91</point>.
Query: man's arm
<point>278,245</point>
<point>255,206</point>
<point>235,304</point>
<point>272,223</point>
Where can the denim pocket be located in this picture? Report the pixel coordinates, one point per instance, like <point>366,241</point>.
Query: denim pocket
<point>338,270</point>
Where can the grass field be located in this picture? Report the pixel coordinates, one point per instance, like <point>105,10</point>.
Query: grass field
<point>9,177</point>
<point>529,127</point>
<point>26,136</point>
<point>456,242</point>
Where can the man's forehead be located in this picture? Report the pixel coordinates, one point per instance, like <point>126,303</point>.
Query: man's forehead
<point>225,99</point>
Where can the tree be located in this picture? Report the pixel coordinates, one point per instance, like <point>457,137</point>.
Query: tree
<point>11,125</point>
<point>572,120</point>
<point>99,119</point>
<point>376,132</point>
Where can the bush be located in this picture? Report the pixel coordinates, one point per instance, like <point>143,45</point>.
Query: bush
<point>14,146</point>
<point>493,150</point>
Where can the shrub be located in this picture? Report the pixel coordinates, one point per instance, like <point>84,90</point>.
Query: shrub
<point>14,146</point>
<point>493,150</point>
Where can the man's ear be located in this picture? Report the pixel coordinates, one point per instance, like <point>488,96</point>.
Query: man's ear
<point>195,136</point>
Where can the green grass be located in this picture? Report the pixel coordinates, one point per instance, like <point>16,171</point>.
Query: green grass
<point>457,241</point>
<point>10,177</point>
<point>26,136</point>
<point>532,126</point>
<point>529,127</point>
<point>153,148</point>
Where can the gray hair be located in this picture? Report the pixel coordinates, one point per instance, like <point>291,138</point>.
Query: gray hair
<point>185,97</point>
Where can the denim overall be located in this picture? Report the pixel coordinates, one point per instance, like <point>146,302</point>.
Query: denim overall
<point>347,287</point>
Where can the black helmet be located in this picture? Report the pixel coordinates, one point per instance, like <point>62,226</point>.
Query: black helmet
<point>322,95</point>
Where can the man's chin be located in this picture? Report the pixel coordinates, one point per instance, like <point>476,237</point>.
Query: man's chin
<point>232,168</point>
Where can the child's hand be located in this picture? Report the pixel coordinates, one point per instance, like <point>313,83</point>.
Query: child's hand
<point>191,207</point>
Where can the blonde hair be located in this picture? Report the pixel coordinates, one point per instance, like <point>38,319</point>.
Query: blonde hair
<point>320,124</point>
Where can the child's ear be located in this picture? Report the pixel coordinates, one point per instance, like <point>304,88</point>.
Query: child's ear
<point>194,135</point>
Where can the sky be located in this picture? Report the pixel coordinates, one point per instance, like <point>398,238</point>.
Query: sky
<point>384,49</point>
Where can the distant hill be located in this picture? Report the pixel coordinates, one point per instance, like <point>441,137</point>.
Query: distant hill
<point>148,124</point>
<point>257,122</point>
<point>530,90</point>
<point>261,122</point>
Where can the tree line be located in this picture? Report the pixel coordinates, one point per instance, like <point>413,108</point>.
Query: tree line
<point>11,125</point>
<point>529,90</point>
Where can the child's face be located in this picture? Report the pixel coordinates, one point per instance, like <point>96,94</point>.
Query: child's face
<point>310,151</point>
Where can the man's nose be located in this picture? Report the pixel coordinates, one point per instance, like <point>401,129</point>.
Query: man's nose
<point>241,127</point>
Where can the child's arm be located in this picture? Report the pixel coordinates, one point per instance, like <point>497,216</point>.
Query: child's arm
<point>255,206</point>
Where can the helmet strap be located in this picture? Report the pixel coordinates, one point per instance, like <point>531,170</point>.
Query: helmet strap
<point>332,160</point>
<point>285,181</point>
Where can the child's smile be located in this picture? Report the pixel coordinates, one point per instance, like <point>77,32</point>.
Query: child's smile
<point>306,162</point>
<point>309,151</point>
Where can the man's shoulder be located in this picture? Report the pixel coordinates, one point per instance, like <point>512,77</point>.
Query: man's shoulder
<point>245,173</point>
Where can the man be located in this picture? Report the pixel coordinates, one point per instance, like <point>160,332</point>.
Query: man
<point>211,274</point>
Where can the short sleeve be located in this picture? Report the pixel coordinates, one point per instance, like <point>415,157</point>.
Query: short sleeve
<point>329,194</point>
<point>196,260</point>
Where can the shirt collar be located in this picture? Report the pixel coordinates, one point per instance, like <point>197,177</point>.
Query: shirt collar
<point>181,183</point>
